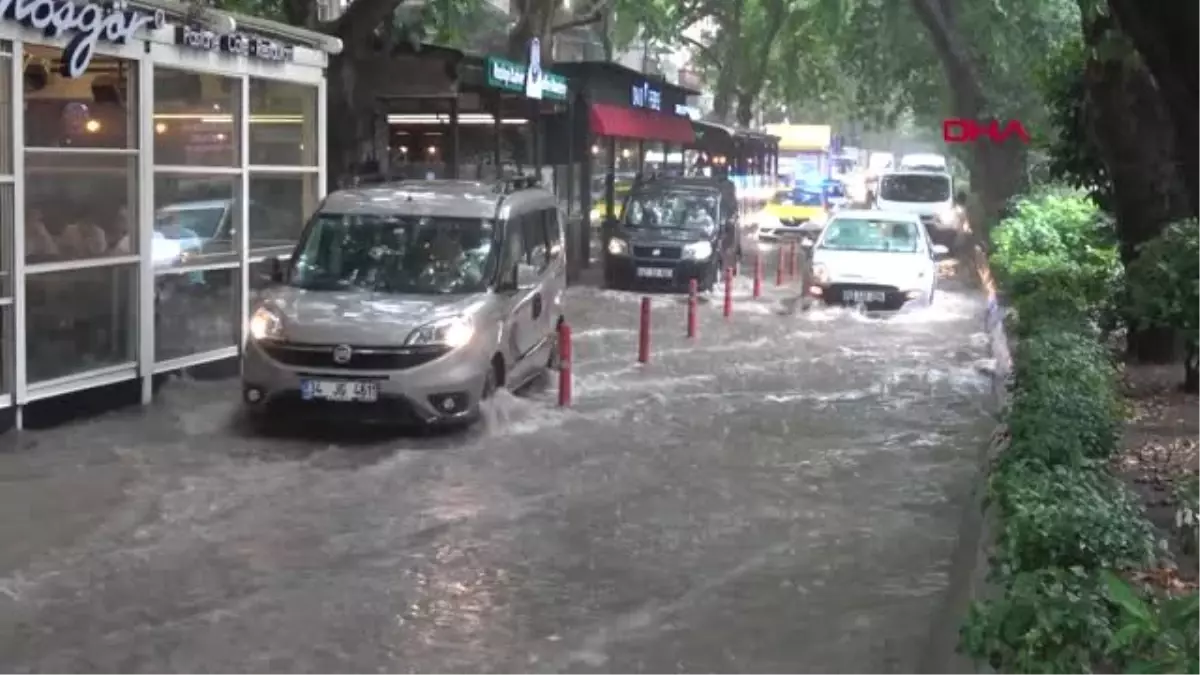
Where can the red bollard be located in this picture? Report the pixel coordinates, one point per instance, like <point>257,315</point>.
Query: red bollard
<point>728,291</point>
<point>757,274</point>
<point>691,313</point>
<point>564,364</point>
<point>779,267</point>
<point>791,263</point>
<point>644,333</point>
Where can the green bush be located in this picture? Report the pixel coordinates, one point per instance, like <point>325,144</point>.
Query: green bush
<point>1069,517</point>
<point>1164,287</point>
<point>1065,407</point>
<point>1055,254</point>
<point>1153,633</point>
<point>1047,621</point>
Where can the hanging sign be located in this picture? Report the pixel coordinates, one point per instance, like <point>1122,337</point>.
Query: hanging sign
<point>533,74</point>
<point>237,44</point>
<point>87,23</point>
<point>645,96</point>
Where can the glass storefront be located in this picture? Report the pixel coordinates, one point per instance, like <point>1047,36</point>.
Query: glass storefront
<point>139,196</point>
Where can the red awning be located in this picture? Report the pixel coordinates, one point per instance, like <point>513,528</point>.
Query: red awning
<point>612,120</point>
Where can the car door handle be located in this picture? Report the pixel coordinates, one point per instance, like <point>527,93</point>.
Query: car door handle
<point>537,306</point>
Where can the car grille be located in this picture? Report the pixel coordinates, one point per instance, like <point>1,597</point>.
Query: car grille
<point>664,252</point>
<point>361,358</point>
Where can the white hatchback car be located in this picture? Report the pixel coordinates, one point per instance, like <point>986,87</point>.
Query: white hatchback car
<point>878,259</point>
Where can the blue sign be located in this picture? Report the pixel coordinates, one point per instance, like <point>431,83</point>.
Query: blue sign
<point>645,96</point>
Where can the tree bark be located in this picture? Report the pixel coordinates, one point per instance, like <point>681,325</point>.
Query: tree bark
<point>1191,369</point>
<point>1134,134</point>
<point>1164,33</point>
<point>725,89</point>
<point>997,170</point>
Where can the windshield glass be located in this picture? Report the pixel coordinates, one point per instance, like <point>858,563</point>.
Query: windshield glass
<point>395,254</point>
<point>198,223</point>
<point>677,210</point>
<point>914,188</point>
<point>853,234</point>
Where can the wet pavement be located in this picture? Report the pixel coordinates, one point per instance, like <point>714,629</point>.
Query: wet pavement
<point>781,494</point>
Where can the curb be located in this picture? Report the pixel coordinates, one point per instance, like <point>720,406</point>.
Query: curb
<point>970,561</point>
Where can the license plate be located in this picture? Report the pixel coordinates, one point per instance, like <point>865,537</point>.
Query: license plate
<point>334,390</point>
<point>655,272</point>
<point>864,296</point>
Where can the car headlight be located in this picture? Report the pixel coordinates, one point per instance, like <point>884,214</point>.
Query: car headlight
<point>700,250</point>
<point>618,246</point>
<point>452,332</point>
<point>948,215</point>
<point>820,274</point>
<point>266,324</point>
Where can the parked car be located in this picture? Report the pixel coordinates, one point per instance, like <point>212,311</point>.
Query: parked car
<point>673,230</point>
<point>878,259</point>
<point>411,302</point>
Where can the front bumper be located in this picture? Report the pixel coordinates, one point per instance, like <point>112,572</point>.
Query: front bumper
<point>415,387</point>
<point>624,270</point>
<point>840,294</point>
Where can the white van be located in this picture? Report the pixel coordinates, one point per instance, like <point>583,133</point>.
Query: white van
<point>927,194</point>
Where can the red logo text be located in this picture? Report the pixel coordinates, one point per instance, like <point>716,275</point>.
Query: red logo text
<point>969,131</point>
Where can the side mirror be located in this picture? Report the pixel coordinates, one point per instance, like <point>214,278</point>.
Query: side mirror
<point>940,251</point>
<point>276,273</point>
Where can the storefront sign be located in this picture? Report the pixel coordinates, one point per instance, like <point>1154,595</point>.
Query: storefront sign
<point>89,22</point>
<point>238,44</point>
<point>687,111</point>
<point>504,74</point>
<point>645,96</point>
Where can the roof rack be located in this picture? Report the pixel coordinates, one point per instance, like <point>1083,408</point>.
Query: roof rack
<point>510,184</point>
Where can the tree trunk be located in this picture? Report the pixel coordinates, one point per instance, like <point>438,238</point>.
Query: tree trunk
<point>1191,364</point>
<point>349,102</point>
<point>745,110</point>
<point>1135,138</point>
<point>534,20</point>
<point>997,171</point>
<point>1164,33</point>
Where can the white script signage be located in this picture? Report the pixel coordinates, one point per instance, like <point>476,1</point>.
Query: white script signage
<point>86,24</point>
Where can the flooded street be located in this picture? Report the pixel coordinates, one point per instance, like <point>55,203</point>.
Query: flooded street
<point>781,494</point>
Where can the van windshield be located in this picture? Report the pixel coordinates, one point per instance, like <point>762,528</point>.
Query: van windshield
<point>914,188</point>
<point>395,254</point>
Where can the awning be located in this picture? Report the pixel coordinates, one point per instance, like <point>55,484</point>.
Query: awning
<point>612,120</point>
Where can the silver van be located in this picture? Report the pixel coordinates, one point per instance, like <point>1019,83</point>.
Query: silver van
<point>410,302</point>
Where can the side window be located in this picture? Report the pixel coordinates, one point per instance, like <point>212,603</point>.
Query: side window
<point>513,253</point>
<point>536,246</point>
<point>553,231</point>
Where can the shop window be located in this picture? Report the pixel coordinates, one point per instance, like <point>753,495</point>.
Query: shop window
<point>80,320</point>
<point>196,312</point>
<point>283,123</point>
<point>196,219</point>
<point>280,204</point>
<point>196,119</point>
<point>79,206</point>
<point>98,109</point>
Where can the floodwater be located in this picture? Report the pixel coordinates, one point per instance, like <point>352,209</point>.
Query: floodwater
<point>781,494</point>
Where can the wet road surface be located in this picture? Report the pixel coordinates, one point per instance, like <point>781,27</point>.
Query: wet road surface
<point>780,495</point>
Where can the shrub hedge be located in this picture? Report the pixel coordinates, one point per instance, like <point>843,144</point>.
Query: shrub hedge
<point>1065,525</point>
